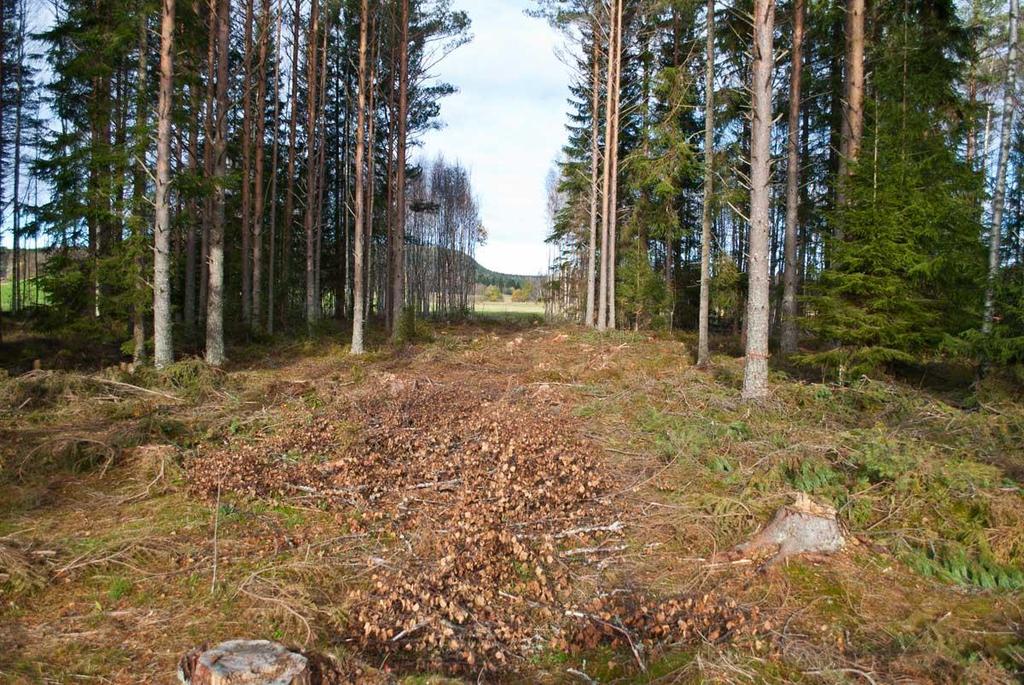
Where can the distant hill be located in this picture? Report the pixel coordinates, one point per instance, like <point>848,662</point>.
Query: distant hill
<point>485,276</point>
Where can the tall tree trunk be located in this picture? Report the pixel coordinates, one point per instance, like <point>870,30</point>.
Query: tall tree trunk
<point>613,220</point>
<point>312,305</point>
<point>999,196</point>
<point>215,296</point>
<point>595,153</point>
<point>163,346</point>
<point>141,145</point>
<point>398,247</point>
<point>289,199</point>
<point>755,376</point>
<point>791,274</point>
<point>853,109</point>
<point>260,192</point>
<point>189,309</point>
<point>271,281</point>
<point>703,324</point>
<point>359,272</point>
<point>246,181</point>
<point>606,210</point>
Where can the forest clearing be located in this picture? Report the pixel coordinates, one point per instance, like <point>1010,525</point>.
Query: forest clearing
<point>511,341</point>
<point>505,503</point>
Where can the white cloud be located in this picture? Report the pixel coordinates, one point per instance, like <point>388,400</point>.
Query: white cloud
<point>506,125</point>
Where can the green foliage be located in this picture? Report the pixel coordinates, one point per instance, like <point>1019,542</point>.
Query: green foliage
<point>492,293</point>
<point>907,266</point>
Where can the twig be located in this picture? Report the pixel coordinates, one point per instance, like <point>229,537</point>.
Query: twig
<point>624,632</point>
<point>216,523</point>
<point>615,527</point>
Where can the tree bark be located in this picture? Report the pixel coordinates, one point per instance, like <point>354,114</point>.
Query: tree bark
<point>259,199</point>
<point>398,246</point>
<point>703,324</point>
<point>755,376</point>
<point>271,281</point>
<point>853,109</point>
<point>359,273</point>
<point>163,345</point>
<point>606,210</point>
<point>614,202</point>
<point>791,273</point>
<point>215,296</point>
<point>999,196</point>
<point>312,305</point>
<point>289,200</point>
<point>246,181</point>
<point>595,153</point>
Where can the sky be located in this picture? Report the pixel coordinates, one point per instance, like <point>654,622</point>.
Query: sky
<point>506,125</point>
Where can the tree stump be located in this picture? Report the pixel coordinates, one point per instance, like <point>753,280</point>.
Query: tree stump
<point>799,528</point>
<point>245,662</point>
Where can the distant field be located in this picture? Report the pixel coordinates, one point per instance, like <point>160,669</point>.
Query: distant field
<point>30,295</point>
<point>509,307</point>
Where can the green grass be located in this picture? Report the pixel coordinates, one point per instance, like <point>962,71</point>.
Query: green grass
<point>508,307</point>
<point>32,293</point>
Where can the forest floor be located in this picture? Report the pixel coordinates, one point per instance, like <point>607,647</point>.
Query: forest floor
<point>505,503</point>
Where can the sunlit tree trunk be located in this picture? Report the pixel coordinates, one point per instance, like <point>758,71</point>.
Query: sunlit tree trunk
<point>614,201</point>
<point>163,346</point>
<point>999,196</point>
<point>359,274</point>
<point>791,273</point>
<point>703,324</point>
<point>274,154</point>
<point>606,210</point>
<point>398,247</point>
<point>215,296</point>
<point>595,153</point>
<point>289,197</point>
<point>312,305</point>
<point>755,376</point>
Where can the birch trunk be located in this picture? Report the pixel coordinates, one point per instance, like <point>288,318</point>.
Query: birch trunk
<point>999,196</point>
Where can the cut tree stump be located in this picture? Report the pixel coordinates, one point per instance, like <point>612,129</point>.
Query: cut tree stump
<point>245,662</point>
<point>803,527</point>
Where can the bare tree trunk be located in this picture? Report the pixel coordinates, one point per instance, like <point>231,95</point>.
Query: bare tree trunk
<point>595,153</point>
<point>755,377</point>
<point>141,145</point>
<point>271,282</point>
<point>289,199</point>
<point>398,247</point>
<point>703,323</point>
<point>259,198</point>
<point>358,275</point>
<point>163,344</point>
<point>853,109</point>
<point>607,210</point>
<point>614,202</point>
<point>247,167</point>
<point>791,274</point>
<point>215,297</point>
<point>999,196</point>
<point>312,306</point>
<point>189,309</point>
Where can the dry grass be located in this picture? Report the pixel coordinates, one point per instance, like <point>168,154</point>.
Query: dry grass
<point>107,562</point>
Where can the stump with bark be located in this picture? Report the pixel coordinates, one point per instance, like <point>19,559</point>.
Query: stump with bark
<point>245,662</point>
